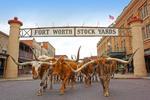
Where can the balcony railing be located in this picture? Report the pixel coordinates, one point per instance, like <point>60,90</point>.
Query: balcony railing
<point>25,55</point>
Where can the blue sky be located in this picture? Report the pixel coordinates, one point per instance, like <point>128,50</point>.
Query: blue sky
<point>61,12</point>
<point>37,13</point>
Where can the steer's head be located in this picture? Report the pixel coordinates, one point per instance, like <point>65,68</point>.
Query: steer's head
<point>36,66</point>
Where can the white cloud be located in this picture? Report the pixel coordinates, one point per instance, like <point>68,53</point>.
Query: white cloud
<point>70,45</point>
<point>4,28</point>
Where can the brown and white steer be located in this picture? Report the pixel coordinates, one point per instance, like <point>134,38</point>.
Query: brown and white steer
<point>40,70</point>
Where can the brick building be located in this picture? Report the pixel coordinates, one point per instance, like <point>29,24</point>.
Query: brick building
<point>39,48</point>
<point>122,46</point>
<point>3,51</point>
<point>49,48</point>
<point>25,52</point>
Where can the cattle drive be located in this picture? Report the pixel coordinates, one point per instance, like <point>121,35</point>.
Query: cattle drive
<point>68,70</point>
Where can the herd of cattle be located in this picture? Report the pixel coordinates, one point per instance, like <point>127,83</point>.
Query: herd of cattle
<point>68,70</point>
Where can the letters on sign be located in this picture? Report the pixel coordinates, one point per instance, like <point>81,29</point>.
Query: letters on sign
<point>74,31</point>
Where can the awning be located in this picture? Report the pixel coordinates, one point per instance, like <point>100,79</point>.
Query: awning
<point>117,54</point>
<point>147,52</point>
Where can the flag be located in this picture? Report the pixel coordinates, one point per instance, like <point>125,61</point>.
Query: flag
<point>111,17</point>
<point>98,24</point>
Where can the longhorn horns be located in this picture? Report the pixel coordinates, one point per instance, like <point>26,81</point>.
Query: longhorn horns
<point>109,58</point>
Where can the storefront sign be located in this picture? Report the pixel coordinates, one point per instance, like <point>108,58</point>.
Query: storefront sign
<point>74,31</point>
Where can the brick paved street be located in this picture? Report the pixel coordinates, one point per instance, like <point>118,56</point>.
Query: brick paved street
<point>120,89</point>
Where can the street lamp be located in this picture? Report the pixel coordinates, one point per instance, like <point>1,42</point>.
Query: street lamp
<point>41,47</point>
<point>4,50</point>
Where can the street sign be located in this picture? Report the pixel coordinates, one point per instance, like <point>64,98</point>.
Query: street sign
<point>72,31</point>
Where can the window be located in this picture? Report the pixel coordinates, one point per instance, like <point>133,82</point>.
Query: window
<point>130,42</point>
<point>147,34</point>
<point>144,11</point>
<point>146,31</point>
<point>123,45</point>
<point>148,7</point>
<point>122,31</point>
<point>143,32</point>
<point>116,47</point>
<point>1,64</point>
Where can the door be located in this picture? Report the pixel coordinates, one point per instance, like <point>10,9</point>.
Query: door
<point>1,66</point>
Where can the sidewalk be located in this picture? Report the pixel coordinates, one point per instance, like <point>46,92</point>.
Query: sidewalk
<point>20,78</point>
<point>130,76</point>
<point>116,76</point>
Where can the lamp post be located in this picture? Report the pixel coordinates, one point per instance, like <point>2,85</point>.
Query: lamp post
<point>4,50</point>
<point>41,48</point>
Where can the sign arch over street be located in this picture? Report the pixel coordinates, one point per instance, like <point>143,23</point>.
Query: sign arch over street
<point>72,31</point>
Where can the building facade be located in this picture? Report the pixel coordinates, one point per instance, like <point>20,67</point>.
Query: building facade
<point>34,45</point>
<point>122,46</point>
<point>25,52</point>
<point>3,52</point>
<point>26,49</point>
<point>40,48</point>
<point>48,49</point>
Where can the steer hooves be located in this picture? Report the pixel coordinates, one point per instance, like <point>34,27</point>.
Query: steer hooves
<point>86,86</point>
<point>106,94</point>
<point>50,88</point>
<point>44,87</point>
<point>62,93</point>
<point>72,87</point>
<point>39,93</point>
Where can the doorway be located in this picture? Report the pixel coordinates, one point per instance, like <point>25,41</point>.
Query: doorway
<point>2,66</point>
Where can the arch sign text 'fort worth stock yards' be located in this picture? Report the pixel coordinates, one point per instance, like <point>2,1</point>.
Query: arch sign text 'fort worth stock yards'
<point>70,31</point>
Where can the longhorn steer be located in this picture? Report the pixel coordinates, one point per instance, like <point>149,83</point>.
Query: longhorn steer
<point>40,70</point>
<point>106,67</point>
<point>87,72</point>
<point>65,72</point>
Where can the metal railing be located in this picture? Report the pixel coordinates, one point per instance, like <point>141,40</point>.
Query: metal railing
<point>25,54</point>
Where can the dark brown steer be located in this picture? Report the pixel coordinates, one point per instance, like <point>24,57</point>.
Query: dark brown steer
<point>64,71</point>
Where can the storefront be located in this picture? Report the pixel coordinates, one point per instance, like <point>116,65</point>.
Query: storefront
<point>3,61</point>
<point>147,60</point>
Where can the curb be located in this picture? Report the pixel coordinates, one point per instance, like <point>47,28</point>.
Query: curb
<point>146,78</point>
<point>18,79</point>
<point>30,79</point>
